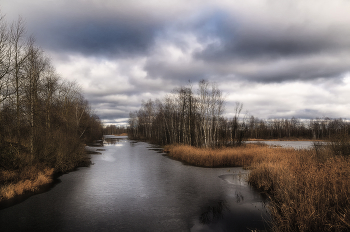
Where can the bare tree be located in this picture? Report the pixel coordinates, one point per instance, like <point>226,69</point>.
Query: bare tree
<point>34,68</point>
<point>19,55</point>
<point>235,136</point>
<point>5,60</point>
<point>39,112</point>
<point>182,117</point>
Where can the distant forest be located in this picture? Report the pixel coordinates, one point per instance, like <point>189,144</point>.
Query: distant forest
<point>196,118</point>
<point>115,130</point>
<point>43,118</point>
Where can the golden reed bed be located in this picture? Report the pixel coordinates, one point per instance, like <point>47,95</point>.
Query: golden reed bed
<point>308,191</point>
<point>18,182</point>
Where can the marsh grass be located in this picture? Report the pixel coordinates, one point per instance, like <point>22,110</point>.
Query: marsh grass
<point>122,134</point>
<point>309,190</point>
<point>17,182</point>
<point>243,156</point>
<point>306,194</point>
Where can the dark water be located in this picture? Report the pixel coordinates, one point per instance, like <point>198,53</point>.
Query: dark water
<point>132,187</point>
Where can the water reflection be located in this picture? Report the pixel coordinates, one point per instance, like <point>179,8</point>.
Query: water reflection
<point>112,141</point>
<point>156,148</point>
<point>213,213</point>
<point>239,197</point>
<point>240,208</point>
<point>133,188</point>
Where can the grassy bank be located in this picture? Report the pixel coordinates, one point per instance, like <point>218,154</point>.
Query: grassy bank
<point>243,156</point>
<point>17,182</point>
<point>20,173</point>
<point>122,134</point>
<point>31,178</point>
<point>309,191</point>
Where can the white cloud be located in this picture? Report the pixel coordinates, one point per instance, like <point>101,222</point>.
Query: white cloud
<point>280,58</point>
<point>280,100</point>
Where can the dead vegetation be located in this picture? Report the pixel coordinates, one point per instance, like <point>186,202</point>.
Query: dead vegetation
<point>309,190</point>
<point>307,193</point>
<point>17,182</point>
<point>215,157</point>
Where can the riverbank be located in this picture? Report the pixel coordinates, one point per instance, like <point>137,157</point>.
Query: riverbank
<point>30,178</point>
<point>243,156</point>
<point>308,190</point>
<point>132,186</point>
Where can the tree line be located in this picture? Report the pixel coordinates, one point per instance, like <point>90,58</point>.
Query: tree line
<point>318,128</point>
<point>114,130</point>
<point>188,117</point>
<point>43,118</point>
<point>196,118</point>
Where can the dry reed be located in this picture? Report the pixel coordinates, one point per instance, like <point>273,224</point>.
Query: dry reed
<point>18,182</point>
<point>243,156</point>
<point>308,192</point>
<point>122,134</point>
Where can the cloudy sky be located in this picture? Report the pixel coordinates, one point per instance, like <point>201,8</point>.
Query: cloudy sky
<point>279,58</point>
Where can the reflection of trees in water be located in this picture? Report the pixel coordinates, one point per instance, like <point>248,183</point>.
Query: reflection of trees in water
<point>213,213</point>
<point>239,197</point>
<point>112,141</point>
<point>157,149</point>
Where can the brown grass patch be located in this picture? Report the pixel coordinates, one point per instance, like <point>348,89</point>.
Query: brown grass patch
<point>122,134</point>
<point>308,191</point>
<point>307,194</point>
<point>243,156</point>
<point>18,182</point>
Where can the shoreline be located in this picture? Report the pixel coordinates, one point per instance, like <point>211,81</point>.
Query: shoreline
<point>305,187</point>
<point>13,187</point>
<point>18,185</point>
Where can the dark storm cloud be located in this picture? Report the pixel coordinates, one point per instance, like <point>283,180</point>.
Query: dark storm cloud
<point>112,110</point>
<point>125,51</point>
<point>89,28</point>
<point>112,37</point>
<point>259,44</point>
<point>230,42</point>
<point>111,115</point>
<point>241,37</point>
<point>236,41</point>
<point>302,72</point>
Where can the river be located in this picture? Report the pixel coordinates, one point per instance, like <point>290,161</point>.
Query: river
<point>131,186</point>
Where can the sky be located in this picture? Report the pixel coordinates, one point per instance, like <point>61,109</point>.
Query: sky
<point>281,59</point>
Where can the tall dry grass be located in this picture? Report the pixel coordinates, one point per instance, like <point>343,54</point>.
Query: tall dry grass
<point>307,193</point>
<point>309,190</point>
<point>243,156</point>
<point>14,183</point>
